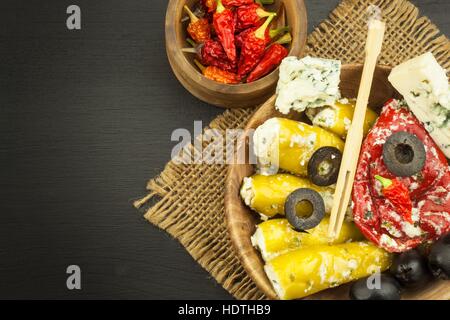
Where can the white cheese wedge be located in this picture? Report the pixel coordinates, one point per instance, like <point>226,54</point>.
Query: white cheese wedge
<point>424,86</point>
<point>307,83</point>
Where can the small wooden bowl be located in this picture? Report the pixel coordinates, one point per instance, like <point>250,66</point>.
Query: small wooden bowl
<point>241,221</point>
<point>223,95</point>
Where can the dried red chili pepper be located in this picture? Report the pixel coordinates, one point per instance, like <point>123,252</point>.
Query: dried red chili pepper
<point>397,193</point>
<point>211,53</point>
<point>217,74</point>
<point>271,59</point>
<point>236,3</point>
<point>270,34</point>
<point>210,5</point>
<point>198,29</point>
<point>253,46</point>
<point>239,38</point>
<point>224,25</point>
<point>250,16</point>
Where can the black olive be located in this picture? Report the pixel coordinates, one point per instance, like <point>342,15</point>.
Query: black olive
<point>404,154</point>
<point>323,167</point>
<point>376,287</point>
<point>410,269</point>
<point>439,258</point>
<point>316,202</point>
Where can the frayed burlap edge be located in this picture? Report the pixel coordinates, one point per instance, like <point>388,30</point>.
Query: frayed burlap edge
<point>187,200</point>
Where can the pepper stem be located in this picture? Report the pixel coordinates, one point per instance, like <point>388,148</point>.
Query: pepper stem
<point>384,181</point>
<point>287,38</point>
<point>263,13</point>
<point>191,15</point>
<point>261,2</point>
<point>199,65</point>
<point>189,50</point>
<point>260,32</point>
<point>219,8</point>
<point>275,32</point>
<point>191,42</point>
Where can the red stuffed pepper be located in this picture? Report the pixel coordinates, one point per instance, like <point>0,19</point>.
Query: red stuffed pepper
<point>400,212</point>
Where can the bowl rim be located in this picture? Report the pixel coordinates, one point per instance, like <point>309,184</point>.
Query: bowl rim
<point>177,56</point>
<point>230,196</point>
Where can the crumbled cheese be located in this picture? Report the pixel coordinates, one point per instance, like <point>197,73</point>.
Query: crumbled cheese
<point>389,227</point>
<point>308,141</point>
<point>311,140</point>
<point>325,118</point>
<point>437,200</point>
<point>327,197</point>
<point>323,271</point>
<point>363,244</point>
<point>411,230</point>
<point>387,241</point>
<point>307,83</point>
<point>247,192</point>
<point>352,264</point>
<point>413,186</point>
<point>395,216</point>
<point>266,141</point>
<point>272,275</point>
<point>347,123</point>
<point>324,168</point>
<point>415,214</point>
<point>296,139</point>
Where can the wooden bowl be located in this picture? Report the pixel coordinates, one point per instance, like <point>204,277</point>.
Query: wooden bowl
<point>241,221</point>
<point>224,95</point>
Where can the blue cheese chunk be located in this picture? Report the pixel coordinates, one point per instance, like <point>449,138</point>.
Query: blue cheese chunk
<point>307,83</point>
<point>424,86</point>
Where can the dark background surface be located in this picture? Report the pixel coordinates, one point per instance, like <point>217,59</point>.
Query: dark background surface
<point>86,118</point>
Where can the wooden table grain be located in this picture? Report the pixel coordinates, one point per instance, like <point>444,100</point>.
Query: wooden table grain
<point>86,117</point>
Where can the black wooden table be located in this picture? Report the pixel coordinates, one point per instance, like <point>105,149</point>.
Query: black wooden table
<point>86,118</point>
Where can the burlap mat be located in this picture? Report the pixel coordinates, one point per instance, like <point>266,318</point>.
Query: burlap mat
<point>187,200</point>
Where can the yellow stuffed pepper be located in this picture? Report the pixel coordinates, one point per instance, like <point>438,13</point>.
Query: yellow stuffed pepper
<point>286,144</point>
<point>303,272</point>
<point>338,117</point>
<point>276,236</point>
<point>267,194</point>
